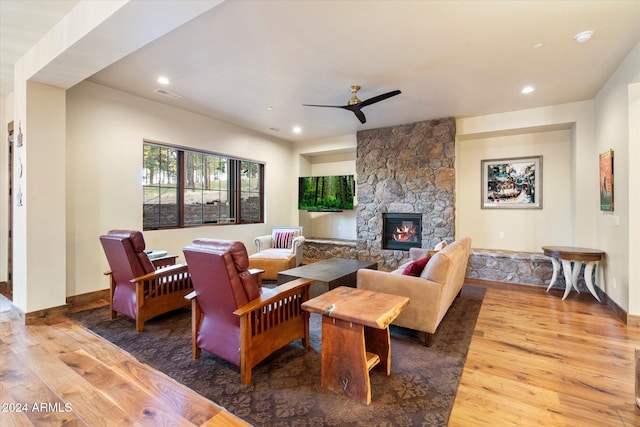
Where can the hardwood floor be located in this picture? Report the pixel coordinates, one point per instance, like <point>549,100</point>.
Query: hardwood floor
<point>534,360</point>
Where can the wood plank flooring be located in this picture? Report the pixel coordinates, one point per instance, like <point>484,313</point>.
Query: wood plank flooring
<point>534,360</point>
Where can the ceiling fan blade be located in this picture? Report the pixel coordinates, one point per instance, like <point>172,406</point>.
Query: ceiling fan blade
<point>356,110</point>
<point>379,98</point>
<point>329,106</point>
<point>360,116</point>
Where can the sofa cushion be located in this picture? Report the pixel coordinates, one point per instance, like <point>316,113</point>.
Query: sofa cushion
<point>415,268</point>
<point>437,269</point>
<point>283,239</point>
<point>440,246</point>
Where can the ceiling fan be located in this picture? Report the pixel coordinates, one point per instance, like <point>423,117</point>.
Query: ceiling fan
<point>355,105</point>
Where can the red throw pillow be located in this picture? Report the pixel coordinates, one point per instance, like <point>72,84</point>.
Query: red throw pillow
<point>415,268</point>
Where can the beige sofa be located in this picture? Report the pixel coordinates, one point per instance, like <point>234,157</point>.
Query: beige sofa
<point>431,294</point>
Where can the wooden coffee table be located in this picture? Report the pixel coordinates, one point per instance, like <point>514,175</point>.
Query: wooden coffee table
<point>355,337</point>
<point>328,274</point>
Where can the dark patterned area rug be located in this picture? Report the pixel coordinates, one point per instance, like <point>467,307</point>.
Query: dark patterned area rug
<point>285,389</point>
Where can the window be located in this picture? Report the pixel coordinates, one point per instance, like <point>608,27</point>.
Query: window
<point>185,188</point>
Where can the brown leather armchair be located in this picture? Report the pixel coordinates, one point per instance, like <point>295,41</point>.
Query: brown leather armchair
<point>232,317</point>
<point>138,289</point>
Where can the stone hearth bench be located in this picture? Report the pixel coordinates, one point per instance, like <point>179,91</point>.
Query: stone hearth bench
<point>526,268</point>
<point>316,248</point>
<point>522,268</point>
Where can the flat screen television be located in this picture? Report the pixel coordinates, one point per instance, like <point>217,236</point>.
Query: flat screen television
<point>326,193</point>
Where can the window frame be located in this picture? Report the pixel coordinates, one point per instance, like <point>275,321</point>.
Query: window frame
<point>234,188</point>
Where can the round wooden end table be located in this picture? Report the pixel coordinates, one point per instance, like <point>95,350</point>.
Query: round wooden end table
<point>567,255</point>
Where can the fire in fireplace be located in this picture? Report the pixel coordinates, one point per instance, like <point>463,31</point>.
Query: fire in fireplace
<point>402,231</point>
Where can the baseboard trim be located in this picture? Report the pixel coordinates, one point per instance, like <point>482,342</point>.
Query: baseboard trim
<point>53,312</point>
<point>41,315</point>
<point>633,320</point>
<point>617,310</point>
<point>88,297</point>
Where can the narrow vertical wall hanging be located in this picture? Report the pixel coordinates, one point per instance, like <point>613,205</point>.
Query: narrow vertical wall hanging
<point>606,181</point>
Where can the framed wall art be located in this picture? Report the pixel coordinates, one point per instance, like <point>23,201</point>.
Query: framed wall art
<point>512,183</point>
<point>606,181</point>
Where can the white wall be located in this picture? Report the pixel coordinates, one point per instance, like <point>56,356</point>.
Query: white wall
<point>329,156</point>
<point>523,229</point>
<point>634,200</point>
<point>612,119</point>
<point>579,172</point>
<point>6,116</point>
<point>105,132</point>
<point>333,225</point>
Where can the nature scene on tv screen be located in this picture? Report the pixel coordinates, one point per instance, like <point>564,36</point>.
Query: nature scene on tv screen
<point>326,193</point>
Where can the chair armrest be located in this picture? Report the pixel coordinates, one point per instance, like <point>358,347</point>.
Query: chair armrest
<point>162,273</point>
<point>257,273</point>
<point>297,243</point>
<point>280,293</point>
<point>163,261</point>
<point>262,243</point>
<point>190,296</point>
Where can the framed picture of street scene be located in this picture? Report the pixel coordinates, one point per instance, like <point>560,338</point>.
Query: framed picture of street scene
<point>606,181</point>
<point>512,183</point>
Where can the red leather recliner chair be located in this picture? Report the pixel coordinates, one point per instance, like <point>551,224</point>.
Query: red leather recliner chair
<point>138,289</point>
<point>232,317</point>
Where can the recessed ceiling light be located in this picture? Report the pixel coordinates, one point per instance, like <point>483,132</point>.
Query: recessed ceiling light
<point>163,80</point>
<point>269,108</point>
<point>297,129</point>
<point>527,89</point>
<point>584,36</point>
<point>537,45</point>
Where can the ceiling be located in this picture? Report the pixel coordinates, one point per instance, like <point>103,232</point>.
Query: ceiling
<point>254,63</point>
<point>22,24</point>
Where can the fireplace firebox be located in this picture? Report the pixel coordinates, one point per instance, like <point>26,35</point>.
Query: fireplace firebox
<point>401,231</point>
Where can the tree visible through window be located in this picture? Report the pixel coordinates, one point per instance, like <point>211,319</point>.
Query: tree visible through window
<point>160,187</point>
<point>187,188</point>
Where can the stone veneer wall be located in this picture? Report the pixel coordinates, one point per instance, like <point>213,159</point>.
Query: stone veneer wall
<point>405,169</point>
<point>328,248</point>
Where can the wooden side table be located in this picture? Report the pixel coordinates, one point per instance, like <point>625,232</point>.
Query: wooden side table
<point>567,255</point>
<point>355,337</point>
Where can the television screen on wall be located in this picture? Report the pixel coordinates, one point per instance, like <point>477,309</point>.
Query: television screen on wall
<point>326,193</point>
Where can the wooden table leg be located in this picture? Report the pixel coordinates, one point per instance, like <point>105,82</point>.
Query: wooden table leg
<point>345,366</point>
<point>378,341</point>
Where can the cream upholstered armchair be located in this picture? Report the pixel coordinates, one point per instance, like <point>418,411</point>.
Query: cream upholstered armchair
<point>278,251</point>
<point>286,240</point>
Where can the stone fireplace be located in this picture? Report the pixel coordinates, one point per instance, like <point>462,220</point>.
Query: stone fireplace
<point>401,231</point>
<point>405,169</point>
